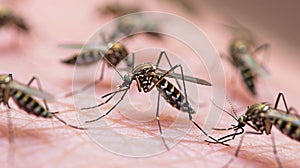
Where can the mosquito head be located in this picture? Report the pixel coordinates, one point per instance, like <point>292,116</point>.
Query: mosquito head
<point>242,120</point>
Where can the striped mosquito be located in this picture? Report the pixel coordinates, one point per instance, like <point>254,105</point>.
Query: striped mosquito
<point>111,53</point>
<point>242,51</point>
<point>23,97</point>
<point>261,117</point>
<point>149,76</point>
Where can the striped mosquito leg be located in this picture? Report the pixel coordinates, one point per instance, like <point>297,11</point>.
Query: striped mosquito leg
<point>163,53</point>
<point>275,151</point>
<point>281,95</point>
<point>158,122</point>
<point>239,147</point>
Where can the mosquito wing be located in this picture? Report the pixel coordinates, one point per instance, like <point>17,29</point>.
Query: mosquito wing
<point>30,91</point>
<point>84,47</point>
<point>255,66</point>
<point>186,78</point>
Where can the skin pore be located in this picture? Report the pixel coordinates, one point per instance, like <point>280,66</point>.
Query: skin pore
<point>40,142</point>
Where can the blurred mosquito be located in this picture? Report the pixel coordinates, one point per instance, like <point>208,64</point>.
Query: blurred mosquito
<point>133,24</point>
<point>9,18</point>
<point>113,54</point>
<point>261,117</point>
<point>147,77</point>
<point>242,52</point>
<point>117,9</point>
<point>23,97</point>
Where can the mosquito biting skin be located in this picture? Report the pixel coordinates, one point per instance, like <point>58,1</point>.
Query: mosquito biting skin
<point>261,117</point>
<point>23,97</point>
<point>149,76</point>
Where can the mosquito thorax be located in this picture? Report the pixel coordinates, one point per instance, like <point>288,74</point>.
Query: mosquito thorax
<point>239,47</point>
<point>143,67</point>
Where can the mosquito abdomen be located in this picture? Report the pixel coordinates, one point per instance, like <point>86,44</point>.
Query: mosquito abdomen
<point>29,104</point>
<point>248,77</point>
<point>173,96</point>
<point>84,58</point>
<point>287,123</point>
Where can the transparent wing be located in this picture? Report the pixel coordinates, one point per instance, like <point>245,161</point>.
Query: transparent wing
<point>256,67</point>
<point>186,78</point>
<point>84,47</point>
<point>30,91</point>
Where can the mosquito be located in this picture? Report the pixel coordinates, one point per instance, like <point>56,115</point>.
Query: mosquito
<point>148,76</point>
<point>111,54</point>
<point>23,97</point>
<point>261,117</point>
<point>9,18</point>
<point>242,51</point>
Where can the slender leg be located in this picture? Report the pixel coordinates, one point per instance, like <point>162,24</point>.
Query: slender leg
<point>11,138</point>
<point>89,84</point>
<point>111,93</point>
<point>158,122</point>
<point>275,151</point>
<point>110,108</point>
<point>239,147</point>
<point>260,48</point>
<point>227,137</point>
<point>163,53</point>
<point>284,102</point>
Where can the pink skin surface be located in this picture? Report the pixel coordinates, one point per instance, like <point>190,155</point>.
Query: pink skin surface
<point>39,142</point>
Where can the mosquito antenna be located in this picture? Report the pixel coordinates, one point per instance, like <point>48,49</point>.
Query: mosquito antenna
<point>133,60</point>
<point>233,116</point>
<point>231,106</point>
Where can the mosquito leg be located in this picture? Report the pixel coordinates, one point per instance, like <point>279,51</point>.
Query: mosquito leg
<point>112,95</point>
<point>89,84</point>
<point>11,138</point>
<point>158,122</point>
<point>239,147</point>
<point>262,47</point>
<point>275,151</point>
<point>110,108</point>
<point>284,102</point>
<point>163,53</point>
<point>190,113</point>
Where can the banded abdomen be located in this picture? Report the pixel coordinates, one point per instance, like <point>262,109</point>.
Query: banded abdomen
<point>29,104</point>
<point>248,77</point>
<point>173,96</point>
<point>84,58</point>
<point>288,124</point>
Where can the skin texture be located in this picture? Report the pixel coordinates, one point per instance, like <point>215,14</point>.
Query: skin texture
<point>48,143</point>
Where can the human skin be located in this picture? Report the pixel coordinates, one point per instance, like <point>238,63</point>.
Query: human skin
<point>40,142</point>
